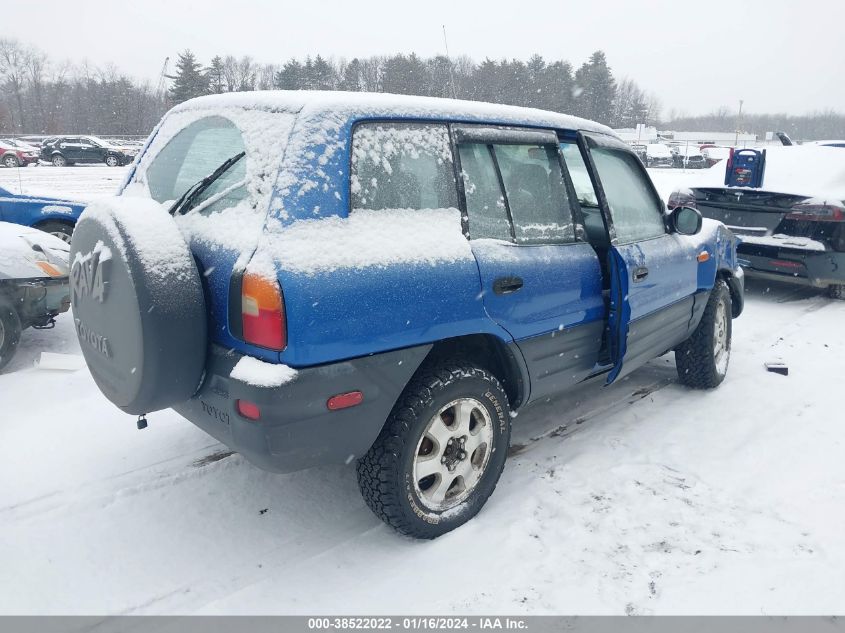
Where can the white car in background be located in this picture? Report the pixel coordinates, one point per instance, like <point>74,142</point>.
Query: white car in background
<point>34,285</point>
<point>658,155</point>
<point>715,154</point>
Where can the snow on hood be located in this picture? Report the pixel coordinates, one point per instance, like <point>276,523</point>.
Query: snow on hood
<point>21,247</point>
<point>658,150</point>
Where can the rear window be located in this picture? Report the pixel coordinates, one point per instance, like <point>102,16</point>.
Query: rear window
<point>402,166</point>
<point>194,153</point>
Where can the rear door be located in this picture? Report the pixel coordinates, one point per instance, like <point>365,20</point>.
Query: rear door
<point>538,281</point>
<point>71,148</point>
<point>653,272</point>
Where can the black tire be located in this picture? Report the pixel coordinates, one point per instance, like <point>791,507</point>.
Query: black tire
<point>836,291</point>
<point>11,161</point>
<point>699,364</point>
<point>386,472</point>
<point>10,333</point>
<point>62,230</point>
<point>58,160</point>
<point>138,304</point>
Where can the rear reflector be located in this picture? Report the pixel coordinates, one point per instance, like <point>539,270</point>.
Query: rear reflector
<point>263,312</point>
<point>345,400</point>
<point>785,263</point>
<point>248,409</point>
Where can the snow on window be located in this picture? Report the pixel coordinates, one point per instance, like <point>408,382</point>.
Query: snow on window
<point>261,134</point>
<point>402,166</point>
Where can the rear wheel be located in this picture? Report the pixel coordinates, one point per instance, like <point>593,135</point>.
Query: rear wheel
<point>59,160</point>
<point>11,161</point>
<point>836,291</point>
<point>62,230</point>
<point>702,360</point>
<point>441,452</point>
<point>10,333</point>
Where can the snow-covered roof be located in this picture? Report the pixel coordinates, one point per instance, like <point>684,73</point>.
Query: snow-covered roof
<point>368,104</point>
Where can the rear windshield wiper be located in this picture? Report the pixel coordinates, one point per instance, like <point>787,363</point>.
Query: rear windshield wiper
<point>186,200</point>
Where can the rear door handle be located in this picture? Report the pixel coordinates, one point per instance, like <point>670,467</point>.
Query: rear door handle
<point>639,273</point>
<point>507,285</point>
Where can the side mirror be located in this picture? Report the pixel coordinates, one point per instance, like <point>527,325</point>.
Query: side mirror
<point>686,220</point>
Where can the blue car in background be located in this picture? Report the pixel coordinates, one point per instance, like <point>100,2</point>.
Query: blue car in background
<point>52,215</point>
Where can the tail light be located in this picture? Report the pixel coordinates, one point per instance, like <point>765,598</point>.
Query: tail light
<point>817,213</point>
<point>263,312</point>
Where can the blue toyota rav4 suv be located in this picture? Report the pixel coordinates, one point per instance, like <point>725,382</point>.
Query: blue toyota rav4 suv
<point>319,278</point>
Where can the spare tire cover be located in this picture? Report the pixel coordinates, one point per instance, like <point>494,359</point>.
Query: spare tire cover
<point>138,304</point>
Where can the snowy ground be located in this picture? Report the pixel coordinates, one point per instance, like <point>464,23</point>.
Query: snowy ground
<point>80,182</point>
<point>641,498</point>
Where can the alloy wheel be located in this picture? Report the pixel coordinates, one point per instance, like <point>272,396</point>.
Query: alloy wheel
<point>452,454</point>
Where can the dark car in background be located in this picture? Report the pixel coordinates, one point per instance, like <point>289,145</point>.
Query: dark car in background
<point>792,227</point>
<point>69,150</point>
<point>688,157</point>
<point>16,154</point>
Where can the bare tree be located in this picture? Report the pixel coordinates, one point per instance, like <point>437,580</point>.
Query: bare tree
<point>13,72</point>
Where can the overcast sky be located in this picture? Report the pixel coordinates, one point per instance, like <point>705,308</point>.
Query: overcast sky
<point>696,55</point>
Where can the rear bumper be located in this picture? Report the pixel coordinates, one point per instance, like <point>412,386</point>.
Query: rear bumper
<point>819,269</point>
<point>296,429</point>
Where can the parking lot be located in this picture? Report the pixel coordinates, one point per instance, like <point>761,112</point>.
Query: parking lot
<point>640,498</point>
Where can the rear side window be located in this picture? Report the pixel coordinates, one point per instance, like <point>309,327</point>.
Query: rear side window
<point>488,215</point>
<point>536,194</point>
<point>193,154</point>
<point>402,166</point>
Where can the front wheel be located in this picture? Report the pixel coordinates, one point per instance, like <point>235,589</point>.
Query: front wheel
<point>702,360</point>
<point>112,161</point>
<point>836,291</point>
<point>441,452</point>
<point>59,161</point>
<point>10,333</point>
<point>62,230</point>
<point>11,161</point>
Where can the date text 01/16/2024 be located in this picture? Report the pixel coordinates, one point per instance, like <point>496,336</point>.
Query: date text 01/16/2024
<point>417,623</point>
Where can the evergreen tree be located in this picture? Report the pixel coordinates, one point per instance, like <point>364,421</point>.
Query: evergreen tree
<point>214,73</point>
<point>598,89</point>
<point>559,87</point>
<point>189,81</point>
<point>351,77</point>
<point>405,75</point>
<point>291,76</point>
<point>322,75</point>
